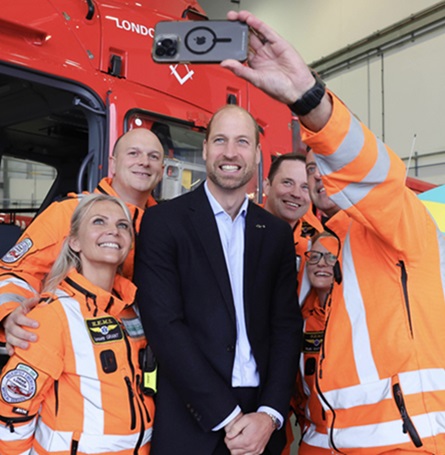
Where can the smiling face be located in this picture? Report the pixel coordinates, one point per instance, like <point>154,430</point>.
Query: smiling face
<point>317,191</point>
<point>231,151</point>
<point>104,237</point>
<point>137,165</point>
<point>287,193</point>
<point>321,274</point>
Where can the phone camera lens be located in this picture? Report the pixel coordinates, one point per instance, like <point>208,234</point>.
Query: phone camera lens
<point>167,47</point>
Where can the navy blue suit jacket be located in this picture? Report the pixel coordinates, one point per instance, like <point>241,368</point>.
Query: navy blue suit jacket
<point>187,309</point>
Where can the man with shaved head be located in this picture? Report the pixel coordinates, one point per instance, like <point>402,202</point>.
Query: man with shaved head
<point>136,164</point>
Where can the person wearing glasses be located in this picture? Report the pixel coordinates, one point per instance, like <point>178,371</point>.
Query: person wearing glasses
<point>321,261</point>
<point>380,376</point>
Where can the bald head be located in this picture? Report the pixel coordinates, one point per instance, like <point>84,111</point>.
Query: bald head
<point>141,136</point>
<point>137,165</point>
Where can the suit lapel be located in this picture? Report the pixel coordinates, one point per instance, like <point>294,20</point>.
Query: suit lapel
<point>204,223</point>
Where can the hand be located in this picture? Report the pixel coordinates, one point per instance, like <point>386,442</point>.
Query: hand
<point>249,434</point>
<point>274,65</point>
<point>277,69</point>
<point>16,336</point>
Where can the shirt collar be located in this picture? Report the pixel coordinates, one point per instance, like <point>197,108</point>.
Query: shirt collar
<point>216,206</point>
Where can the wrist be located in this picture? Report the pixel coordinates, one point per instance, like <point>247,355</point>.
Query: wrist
<point>274,420</point>
<point>310,99</point>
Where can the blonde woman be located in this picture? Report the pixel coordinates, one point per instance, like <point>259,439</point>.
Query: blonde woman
<point>78,390</point>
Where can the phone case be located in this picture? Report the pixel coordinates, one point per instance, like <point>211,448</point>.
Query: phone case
<point>200,41</point>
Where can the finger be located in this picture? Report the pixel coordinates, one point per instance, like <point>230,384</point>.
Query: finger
<point>21,320</point>
<point>9,349</point>
<point>19,333</point>
<point>14,342</point>
<point>241,70</point>
<point>29,304</point>
<point>232,15</point>
<point>261,28</point>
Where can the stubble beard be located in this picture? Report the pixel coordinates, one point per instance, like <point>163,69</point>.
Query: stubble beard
<point>228,183</point>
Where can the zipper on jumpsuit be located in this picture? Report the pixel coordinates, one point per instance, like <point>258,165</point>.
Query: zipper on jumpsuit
<point>10,421</point>
<point>404,280</point>
<point>140,403</point>
<point>408,426</point>
<point>319,375</point>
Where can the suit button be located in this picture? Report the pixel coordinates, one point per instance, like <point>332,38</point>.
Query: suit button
<point>230,348</point>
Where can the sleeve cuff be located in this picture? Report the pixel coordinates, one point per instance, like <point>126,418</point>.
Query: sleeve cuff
<point>228,419</point>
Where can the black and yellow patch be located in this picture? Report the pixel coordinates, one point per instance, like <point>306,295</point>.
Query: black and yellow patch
<point>312,342</point>
<point>104,330</point>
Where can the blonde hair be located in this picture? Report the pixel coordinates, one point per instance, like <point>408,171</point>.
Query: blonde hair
<point>68,258</point>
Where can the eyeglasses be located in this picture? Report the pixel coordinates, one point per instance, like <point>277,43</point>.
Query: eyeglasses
<point>314,257</point>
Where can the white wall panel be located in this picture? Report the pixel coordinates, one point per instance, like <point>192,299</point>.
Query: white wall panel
<point>411,98</point>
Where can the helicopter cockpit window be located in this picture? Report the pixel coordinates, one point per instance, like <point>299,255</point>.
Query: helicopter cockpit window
<point>184,166</point>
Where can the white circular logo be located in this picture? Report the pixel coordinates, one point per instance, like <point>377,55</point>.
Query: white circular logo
<point>18,386</point>
<point>17,251</point>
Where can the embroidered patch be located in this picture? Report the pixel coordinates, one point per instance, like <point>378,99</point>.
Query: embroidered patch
<point>312,342</point>
<point>17,251</point>
<point>21,411</point>
<point>133,327</point>
<point>19,385</point>
<point>104,330</point>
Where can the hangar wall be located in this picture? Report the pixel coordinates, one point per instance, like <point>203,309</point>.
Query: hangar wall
<point>399,93</point>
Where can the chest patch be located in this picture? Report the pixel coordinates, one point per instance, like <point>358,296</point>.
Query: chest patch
<point>133,327</point>
<point>17,251</point>
<point>312,342</point>
<point>104,330</point>
<point>19,385</point>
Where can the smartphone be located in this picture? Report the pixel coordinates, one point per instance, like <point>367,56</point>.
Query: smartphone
<point>200,41</point>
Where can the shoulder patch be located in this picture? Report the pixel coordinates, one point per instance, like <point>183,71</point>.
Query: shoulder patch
<point>17,251</point>
<point>19,385</point>
<point>104,330</point>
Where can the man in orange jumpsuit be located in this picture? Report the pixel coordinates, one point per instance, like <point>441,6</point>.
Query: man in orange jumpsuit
<point>136,167</point>
<point>381,375</point>
<point>287,193</point>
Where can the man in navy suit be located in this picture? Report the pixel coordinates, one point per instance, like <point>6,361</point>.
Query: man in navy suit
<point>217,295</point>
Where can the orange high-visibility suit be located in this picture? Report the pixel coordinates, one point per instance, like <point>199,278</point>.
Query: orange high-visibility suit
<point>380,375</point>
<point>85,374</point>
<point>306,227</point>
<point>24,267</point>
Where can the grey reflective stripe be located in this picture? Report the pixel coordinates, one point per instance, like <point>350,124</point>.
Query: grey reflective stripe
<point>6,297</point>
<point>86,368</point>
<point>355,307</point>
<point>412,382</point>
<point>11,297</point>
<point>314,438</point>
<point>389,433</point>
<point>91,443</point>
<point>348,150</point>
<point>17,282</point>
<point>353,193</point>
